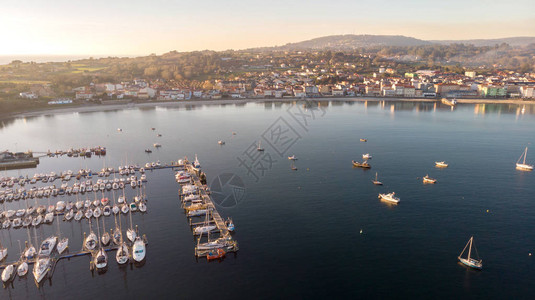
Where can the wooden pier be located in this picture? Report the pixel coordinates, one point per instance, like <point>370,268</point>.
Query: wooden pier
<point>232,245</point>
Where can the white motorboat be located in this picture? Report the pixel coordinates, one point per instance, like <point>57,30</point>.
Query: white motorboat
<point>469,261</point>
<point>91,242</point>
<point>138,250</point>
<point>427,179</point>
<point>523,166</point>
<point>122,254</point>
<point>8,273</point>
<point>198,212</point>
<point>41,267</point>
<point>292,157</point>
<point>47,246</point>
<point>366,156</point>
<point>101,259</point>
<point>441,164</point>
<point>49,217</point>
<point>79,204</point>
<point>389,197</point>
<point>60,206</point>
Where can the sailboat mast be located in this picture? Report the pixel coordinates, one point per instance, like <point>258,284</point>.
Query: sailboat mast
<point>525,154</point>
<point>470,249</point>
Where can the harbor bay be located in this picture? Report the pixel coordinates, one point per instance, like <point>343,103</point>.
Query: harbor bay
<point>316,231</point>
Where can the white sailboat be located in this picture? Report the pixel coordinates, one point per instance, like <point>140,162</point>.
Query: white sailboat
<point>122,253</point>
<point>101,258</point>
<point>138,250</point>
<point>41,267</point>
<point>259,148</point>
<point>469,261</point>
<point>8,273</point>
<point>105,238</point>
<point>3,252</point>
<point>376,181</point>
<point>130,233</point>
<point>90,242</point>
<point>63,243</point>
<point>523,166</point>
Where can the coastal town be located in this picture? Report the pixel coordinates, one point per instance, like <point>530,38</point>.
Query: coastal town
<point>298,75</point>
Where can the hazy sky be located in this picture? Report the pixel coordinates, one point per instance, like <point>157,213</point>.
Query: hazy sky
<point>134,27</point>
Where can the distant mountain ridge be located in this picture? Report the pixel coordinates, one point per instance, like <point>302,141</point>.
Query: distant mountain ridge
<point>352,41</point>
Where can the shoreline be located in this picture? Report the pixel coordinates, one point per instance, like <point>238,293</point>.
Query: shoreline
<point>133,104</point>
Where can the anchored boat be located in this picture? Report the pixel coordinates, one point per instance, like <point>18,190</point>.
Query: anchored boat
<point>364,164</point>
<point>427,179</point>
<point>469,261</point>
<point>523,166</point>
<point>389,197</point>
<point>441,164</point>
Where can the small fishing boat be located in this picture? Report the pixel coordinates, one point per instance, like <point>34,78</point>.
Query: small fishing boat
<point>40,268</point>
<point>364,164</point>
<point>376,181</point>
<point>427,179</point>
<point>138,250</point>
<point>230,225</point>
<point>292,157</point>
<point>389,197</point>
<point>441,164</point>
<point>366,156</point>
<point>469,261</point>
<point>221,142</point>
<point>293,167</point>
<point>363,140</point>
<point>47,246</point>
<point>8,273</point>
<point>157,145</point>
<point>148,151</point>
<point>523,166</point>
<point>215,254</point>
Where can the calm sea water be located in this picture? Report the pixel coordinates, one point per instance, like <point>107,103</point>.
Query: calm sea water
<point>299,231</point>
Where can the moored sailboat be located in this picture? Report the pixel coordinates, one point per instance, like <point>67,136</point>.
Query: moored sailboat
<point>469,261</point>
<point>523,166</point>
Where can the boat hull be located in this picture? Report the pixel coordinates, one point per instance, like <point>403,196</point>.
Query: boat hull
<point>470,263</point>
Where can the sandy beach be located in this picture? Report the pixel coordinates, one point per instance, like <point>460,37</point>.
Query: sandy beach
<point>182,103</point>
